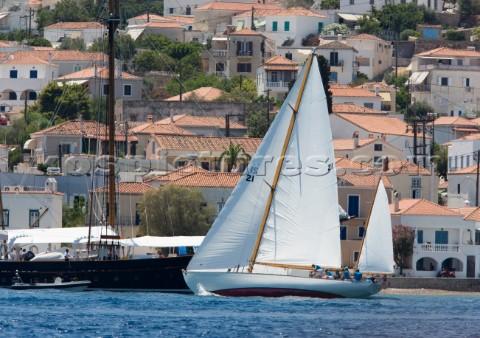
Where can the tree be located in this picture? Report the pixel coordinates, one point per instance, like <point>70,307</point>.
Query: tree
<point>147,61</point>
<point>70,11</point>
<point>175,211</point>
<point>469,7</point>
<point>440,159</point>
<point>369,25</point>
<point>325,74</point>
<point>73,44</point>
<point>330,4</point>
<point>404,35</point>
<point>42,167</point>
<point>403,238</point>
<point>66,102</point>
<point>40,42</point>
<point>124,46</point>
<point>421,108</point>
<point>75,216</point>
<point>299,3</point>
<point>361,78</point>
<point>336,28</point>
<point>15,156</point>
<point>453,35</point>
<point>234,155</point>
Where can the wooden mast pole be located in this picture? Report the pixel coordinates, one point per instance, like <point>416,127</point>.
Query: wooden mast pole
<point>273,186</point>
<point>113,22</point>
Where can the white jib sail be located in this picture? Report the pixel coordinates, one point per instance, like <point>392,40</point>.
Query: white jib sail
<point>309,202</point>
<point>377,250</point>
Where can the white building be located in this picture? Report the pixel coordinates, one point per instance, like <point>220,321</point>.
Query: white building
<point>16,15</point>
<point>359,96</point>
<point>341,60</point>
<point>449,128</point>
<point>443,238</point>
<point>275,75</point>
<point>447,79</point>
<point>87,31</point>
<point>364,7</point>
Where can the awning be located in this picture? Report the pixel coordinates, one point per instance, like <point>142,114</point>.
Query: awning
<point>163,242</point>
<point>3,15</point>
<point>135,33</point>
<point>350,17</point>
<point>417,78</point>
<point>71,82</point>
<point>30,144</point>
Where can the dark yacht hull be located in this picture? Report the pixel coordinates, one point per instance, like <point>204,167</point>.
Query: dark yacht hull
<point>152,274</point>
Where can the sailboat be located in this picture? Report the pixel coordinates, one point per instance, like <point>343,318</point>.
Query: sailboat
<point>109,273</point>
<point>282,217</point>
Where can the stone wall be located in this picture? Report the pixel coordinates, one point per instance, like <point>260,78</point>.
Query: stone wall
<point>449,284</point>
<point>137,110</point>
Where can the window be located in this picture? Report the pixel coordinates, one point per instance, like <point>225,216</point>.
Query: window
<point>461,161</point>
<point>419,236</point>
<point>33,74</point>
<point>286,26</point>
<point>77,68</point>
<point>220,67</point>
<point>416,193</point>
<point>468,161</point>
<point>368,105</point>
<point>65,148</point>
<point>244,67</point>
<point>460,62</point>
<point>458,189</point>
<point>180,164</point>
<point>154,147</point>
<point>32,217</point>
<point>353,205</point>
<point>137,215</point>
<point>355,253</point>
<point>352,2</point>
<point>466,82</point>
<point>220,206</point>
<point>171,10</point>
<point>205,165</point>
<point>274,26</point>
<point>441,237</point>
<point>6,217</point>
<point>343,232</point>
<point>477,237</point>
<point>333,76</point>
<point>361,232</point>
<point>377,161</point>
<point>12,96</point>
<point>105,89</point>
<point>372,2</point>
<point>127,90</point>
<point>378,147</point>
<point>245,48</point>
<point>188,10</point>
<point>416,182</point>
<point>13,74</point>
<point>320,27</point>
<point>443,81</point>
<point>333,58</point>
<point>32,96</point>
<point>273,77</point>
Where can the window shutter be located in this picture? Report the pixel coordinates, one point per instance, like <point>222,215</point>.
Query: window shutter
<point>449,81</point>
<point>439,81</point>
<point>239,47</point>
<point>250,48</point>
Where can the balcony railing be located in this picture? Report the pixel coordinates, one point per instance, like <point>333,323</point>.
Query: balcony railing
<point>278,84</point>
<point>448,67</point>
<point>339,63</point>
<point>244,53</point>
<point>220,74</point>
<point>218,52</point>
<point>440,247</point>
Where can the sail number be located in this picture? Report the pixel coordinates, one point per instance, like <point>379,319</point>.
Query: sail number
<point>250,178</point>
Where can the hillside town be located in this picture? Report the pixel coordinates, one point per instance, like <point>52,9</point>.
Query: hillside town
<point>197,85</point>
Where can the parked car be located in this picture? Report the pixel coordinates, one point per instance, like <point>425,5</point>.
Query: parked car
<point>3,120</point>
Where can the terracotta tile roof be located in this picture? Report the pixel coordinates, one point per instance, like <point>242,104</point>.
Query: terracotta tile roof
<point>245,31</point>
<point>33,192</point>
<point>235,6</point>
<point>372,86</point>
<point>355,109</point>
<point>466,211</point>
<point>351,92</point>
<point>474,215</point>
<point>363,180</point>
<point>98,130</point>
<point>76,25</point>
<point>444,51</point>
<point>378,124</point>
<point>153,128</point>
<point>292,11</point>
<point>62,55</point>
<point>149,17</point>
<point>208,180</point>
<point>199,143</point>
<point>337,85</point>
<point>347,164</point>
<point>365,37</point>
<point>454,121</point>
<point>404,167</point>
<point>474,136</point>
<point>187,170</point>
<point>24,60</point>
<point>335,45</point>
<point>421,207</point>
<point>89,73</point>
<point>157,18</point>
<point>201,94</point>
<point>182,19</point>
<point>280,63</point>
<point>349,144</point>
<point>467,170</point>
<point>134,188</point>
<point>184,120</point>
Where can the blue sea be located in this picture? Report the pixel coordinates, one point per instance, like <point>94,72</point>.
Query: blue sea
<point>55,313</point>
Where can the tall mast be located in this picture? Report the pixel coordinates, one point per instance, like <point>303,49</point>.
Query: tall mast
<point>113,22</point>
<point>273,186</point>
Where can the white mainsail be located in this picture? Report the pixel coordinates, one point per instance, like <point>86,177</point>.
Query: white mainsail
<point>302,226</point>
<point>377,250</point>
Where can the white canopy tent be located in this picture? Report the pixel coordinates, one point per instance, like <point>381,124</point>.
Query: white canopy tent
<point>163,242</point>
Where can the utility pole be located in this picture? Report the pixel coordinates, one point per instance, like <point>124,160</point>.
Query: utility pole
<point>476,157</point>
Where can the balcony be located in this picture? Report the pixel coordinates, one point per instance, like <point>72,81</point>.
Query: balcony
<point>220,74</point>
<point>448,67</point>
<point>244,53</point>
<point>440,248</point>
<point>339,63</point>
<point>277,85</point>
<point>218,52</point>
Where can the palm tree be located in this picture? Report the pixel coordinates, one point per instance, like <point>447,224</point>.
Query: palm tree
<point>233,155</point>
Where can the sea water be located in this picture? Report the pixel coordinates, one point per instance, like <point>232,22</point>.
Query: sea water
<point>55,313</point>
